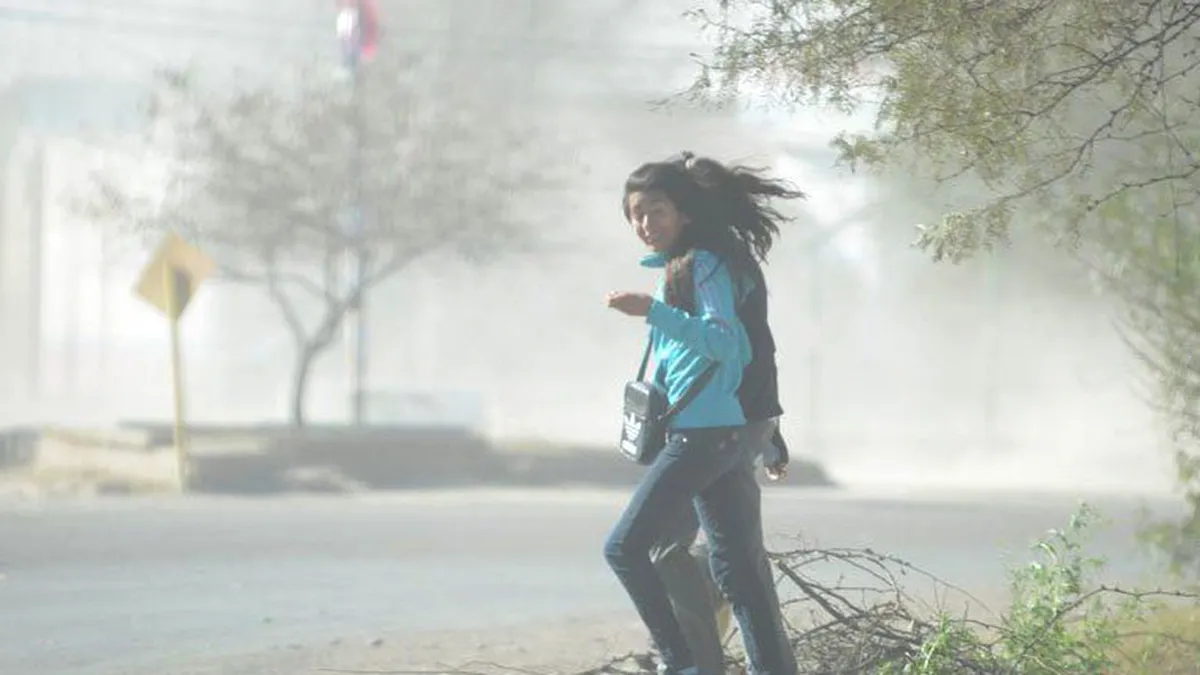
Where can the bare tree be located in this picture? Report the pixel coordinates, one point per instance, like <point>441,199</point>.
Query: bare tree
<point>267,179</point>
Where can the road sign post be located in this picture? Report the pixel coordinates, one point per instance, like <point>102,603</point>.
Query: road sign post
<point>172,289</point>
<point>169,282</point>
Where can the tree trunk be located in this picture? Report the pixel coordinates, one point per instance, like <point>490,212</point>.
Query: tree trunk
<point>306,354</point>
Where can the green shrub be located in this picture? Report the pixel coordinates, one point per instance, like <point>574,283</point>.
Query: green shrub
<point>1058,622</point>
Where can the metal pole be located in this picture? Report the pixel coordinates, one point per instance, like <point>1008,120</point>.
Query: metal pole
<point>171,288</point>
<point>356,314</point>
<point>360,263</point>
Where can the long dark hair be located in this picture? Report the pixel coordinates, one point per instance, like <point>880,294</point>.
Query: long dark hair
<point>728,209</point>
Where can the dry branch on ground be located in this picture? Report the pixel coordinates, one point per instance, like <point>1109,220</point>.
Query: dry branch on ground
<point>853,612</point>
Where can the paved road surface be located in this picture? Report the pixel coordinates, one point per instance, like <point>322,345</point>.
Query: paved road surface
<point>112,586</point>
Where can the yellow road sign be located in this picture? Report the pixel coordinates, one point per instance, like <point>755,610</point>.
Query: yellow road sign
<point>168,282</point>
<point>188,267</point>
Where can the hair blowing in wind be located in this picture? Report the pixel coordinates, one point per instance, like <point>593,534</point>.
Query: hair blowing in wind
<point>742,197</point>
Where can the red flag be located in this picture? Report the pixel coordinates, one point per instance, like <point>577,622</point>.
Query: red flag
<point>368,17</point>
<point>358,28</point>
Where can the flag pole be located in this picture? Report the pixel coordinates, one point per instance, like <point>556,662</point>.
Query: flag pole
<point>357,28</point>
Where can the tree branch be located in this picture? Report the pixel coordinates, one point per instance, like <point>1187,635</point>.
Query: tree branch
<point>290,316</point>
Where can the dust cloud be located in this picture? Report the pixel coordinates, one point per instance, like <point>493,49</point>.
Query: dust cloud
<point>1002,371</point>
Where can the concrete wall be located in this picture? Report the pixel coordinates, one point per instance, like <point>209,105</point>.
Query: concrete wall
<point>20,219</point>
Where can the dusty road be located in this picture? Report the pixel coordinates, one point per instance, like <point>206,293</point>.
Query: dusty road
<point>135,585</point>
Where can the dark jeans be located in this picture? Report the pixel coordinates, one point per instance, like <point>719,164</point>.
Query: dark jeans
<point>705,469</point>
<point>684,568</point>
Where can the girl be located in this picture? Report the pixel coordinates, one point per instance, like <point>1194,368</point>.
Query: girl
<point>705,225</point>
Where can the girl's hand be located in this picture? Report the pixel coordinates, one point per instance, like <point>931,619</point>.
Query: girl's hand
<point>633,304</point>
<point>776,472</point>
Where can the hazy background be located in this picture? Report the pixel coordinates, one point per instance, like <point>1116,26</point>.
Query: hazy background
<point>1001,373</point>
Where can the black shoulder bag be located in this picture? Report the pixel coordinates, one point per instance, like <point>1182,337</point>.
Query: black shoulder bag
<point>647,413</point>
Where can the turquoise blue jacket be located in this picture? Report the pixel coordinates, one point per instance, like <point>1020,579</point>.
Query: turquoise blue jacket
<point>683,345</point>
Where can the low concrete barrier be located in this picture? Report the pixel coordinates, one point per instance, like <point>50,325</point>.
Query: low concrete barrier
<point>17,446</point>
<point>272,459</point>
<point>372,459</point>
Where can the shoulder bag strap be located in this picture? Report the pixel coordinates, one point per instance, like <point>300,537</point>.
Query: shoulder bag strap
<point>692,391</point>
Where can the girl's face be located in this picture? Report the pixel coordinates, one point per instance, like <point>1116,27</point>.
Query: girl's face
<point>655,219</point>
